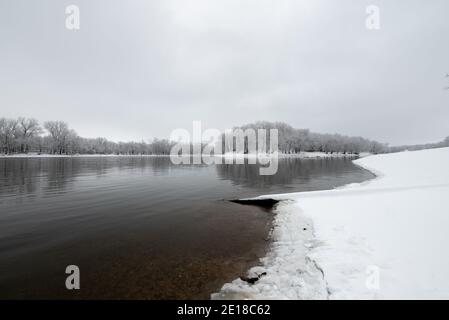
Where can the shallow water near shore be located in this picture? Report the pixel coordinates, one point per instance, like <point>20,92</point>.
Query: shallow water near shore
<point>140,228</point>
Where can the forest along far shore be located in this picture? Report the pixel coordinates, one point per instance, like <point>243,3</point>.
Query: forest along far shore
<point>26,136</point>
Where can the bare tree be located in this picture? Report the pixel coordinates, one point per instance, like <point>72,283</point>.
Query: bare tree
<point>59,132</point>
<point>8,134</point>
<point>28,129</point>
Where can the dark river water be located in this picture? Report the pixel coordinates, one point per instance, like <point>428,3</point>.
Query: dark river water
<point>140,227</point>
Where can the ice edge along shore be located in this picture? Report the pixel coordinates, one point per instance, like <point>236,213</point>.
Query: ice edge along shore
<point>382,239</point>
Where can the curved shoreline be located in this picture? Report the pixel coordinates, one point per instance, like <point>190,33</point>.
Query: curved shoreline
<point>285,253</point>
<point>381,239</point>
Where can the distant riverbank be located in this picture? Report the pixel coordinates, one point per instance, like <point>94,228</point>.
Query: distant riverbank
<point>37,155</point>
<point>303,155</point>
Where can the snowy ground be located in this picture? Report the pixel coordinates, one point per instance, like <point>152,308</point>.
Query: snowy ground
<point>384,239</point>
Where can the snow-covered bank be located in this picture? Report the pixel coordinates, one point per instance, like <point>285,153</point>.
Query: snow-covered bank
<point>384,239</point>
<point>44,155</point>
<point>302,155</point>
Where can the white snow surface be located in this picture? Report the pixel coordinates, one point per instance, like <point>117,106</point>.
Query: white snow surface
<point>387,238</point>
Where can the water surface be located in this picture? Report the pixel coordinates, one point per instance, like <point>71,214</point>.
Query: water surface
<point>140,227</point>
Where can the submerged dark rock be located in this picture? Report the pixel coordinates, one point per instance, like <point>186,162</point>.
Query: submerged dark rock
<point>252,280</point>
<point>264,203</point>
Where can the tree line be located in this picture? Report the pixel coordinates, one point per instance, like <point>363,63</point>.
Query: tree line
<point>24,135</point>
<point>292,140</point>
<point>442,144</point>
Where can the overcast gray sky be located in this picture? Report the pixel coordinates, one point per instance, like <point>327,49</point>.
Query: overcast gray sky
<point>139,69</point>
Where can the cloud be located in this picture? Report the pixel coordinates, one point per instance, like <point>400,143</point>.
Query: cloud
<point>143,68</point>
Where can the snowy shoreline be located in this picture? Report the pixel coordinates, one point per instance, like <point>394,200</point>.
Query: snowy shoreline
<point>302,155</point>
<point>35,155</point>
<point>386,238</point>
